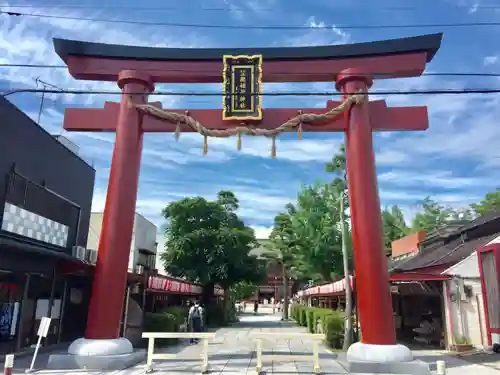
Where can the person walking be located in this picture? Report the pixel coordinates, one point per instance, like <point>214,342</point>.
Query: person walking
<point>195,319</point>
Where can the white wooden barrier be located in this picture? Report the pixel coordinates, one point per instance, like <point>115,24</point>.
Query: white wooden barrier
<point>151,336</point>
<point>316,337</point>
<point>440,368</point>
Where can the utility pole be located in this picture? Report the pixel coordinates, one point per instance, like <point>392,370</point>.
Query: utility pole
<point>348,292</point>
<point>285,291</point>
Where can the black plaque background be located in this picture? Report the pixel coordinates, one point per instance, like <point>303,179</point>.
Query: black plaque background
<point>253,87</point>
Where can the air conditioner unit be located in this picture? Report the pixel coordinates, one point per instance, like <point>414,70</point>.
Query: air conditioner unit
<point>92,256</point>
<point>79,252</point>
<point>139,269</point>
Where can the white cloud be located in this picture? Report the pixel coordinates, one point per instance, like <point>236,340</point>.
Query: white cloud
<point>262,233</point>
<point>329,34</point>
<point>462,128</point>
<point>414,197</point>
<point>490,60</point>
<point>289,148</point>
<point>29,40</point>
<point>247,10</point>
<point>441,179</point>
<point>256,205</point>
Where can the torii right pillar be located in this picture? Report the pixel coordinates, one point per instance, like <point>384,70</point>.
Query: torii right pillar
<point>378,351</point>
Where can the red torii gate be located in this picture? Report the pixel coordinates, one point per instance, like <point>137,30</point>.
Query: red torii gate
<point>137,69</point>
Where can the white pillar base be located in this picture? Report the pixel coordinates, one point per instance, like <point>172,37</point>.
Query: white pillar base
<point>382,359</point>
<point>379,353</point>
<point>107,354</point>
<point>92,347</point>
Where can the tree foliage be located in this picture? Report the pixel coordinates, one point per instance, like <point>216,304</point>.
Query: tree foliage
<point>207,242</point>
<point>306,238</point>
<point>491,201</point>
<point>243,290</point>
<point>432,216</point>
<point>394,225</point>
<point>317,224</point>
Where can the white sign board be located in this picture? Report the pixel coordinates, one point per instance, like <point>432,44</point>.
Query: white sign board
<point>43,331</point>
<point>43,328</point>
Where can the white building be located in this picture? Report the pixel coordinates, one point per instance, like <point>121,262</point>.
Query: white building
<point>160,239</point>
<point>465,311</point>
<point>463,302</point>
<point>143,247</point>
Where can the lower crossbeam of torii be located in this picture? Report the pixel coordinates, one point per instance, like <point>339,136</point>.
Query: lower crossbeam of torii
<point>353,70</point>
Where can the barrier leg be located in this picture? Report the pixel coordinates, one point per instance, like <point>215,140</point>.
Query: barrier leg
<point>9,364</point>
<point>259,356</point>
<point>440,367</point>
<point>149,360</point>
<point>204,356</point>
<point>316,368</point>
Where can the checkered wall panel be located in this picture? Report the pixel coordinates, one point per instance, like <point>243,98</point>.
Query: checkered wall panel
<point>25,223</point>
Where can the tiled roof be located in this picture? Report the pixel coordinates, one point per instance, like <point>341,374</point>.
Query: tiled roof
<point>450,253</point>
<point>481,220</point>
<point>464,250</point>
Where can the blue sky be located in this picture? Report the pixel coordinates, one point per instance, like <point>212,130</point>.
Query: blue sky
<point>455,161</point>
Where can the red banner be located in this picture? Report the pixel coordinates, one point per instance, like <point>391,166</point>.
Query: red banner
<point>174,286</point>
<point>177,286</point>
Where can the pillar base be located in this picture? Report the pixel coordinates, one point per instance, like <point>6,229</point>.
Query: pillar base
<point>382,359</point>
<point>108,354</point>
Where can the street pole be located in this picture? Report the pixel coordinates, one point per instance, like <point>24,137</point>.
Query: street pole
<point>275,302</point>
<point>285,292</point>
<point>348,293</point>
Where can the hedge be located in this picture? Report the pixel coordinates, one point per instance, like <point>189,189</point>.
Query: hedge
<point>218,315</point>
<point>180,313</point>
<point>331,322</point>
<point>161,322</point>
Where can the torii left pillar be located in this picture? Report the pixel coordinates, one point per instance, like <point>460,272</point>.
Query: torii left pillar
<point>102,337</point>
<point>118,218</point>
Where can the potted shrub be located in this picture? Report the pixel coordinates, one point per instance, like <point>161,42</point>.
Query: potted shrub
<point>462,344</point>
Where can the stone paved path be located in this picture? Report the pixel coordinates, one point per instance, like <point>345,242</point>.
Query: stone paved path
<point>233,352</point>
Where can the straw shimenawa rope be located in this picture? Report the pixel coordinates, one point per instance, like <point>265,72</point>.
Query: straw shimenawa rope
<point>294,123</point>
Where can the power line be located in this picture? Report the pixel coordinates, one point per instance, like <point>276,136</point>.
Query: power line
<point>283,93</point>
<point>256,27</point>
<point>44,66</point>
<point>228,9</point>
<point>31,66</point>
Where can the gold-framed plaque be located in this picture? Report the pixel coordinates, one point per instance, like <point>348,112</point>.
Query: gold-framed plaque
<point>242,85</point>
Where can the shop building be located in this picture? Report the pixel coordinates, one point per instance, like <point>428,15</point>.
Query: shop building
<point>444,286</point>
<point>46,194</point>
<point>143,247</point>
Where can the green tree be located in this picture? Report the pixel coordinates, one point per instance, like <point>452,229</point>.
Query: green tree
<point>338,167</point>
<point>283,245</point>
<point>243,290</point>
<point>208,243</point>
<point>316,224</point>
<point>491,201</point>
<point>432,216</point>
<point>394,225</point>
